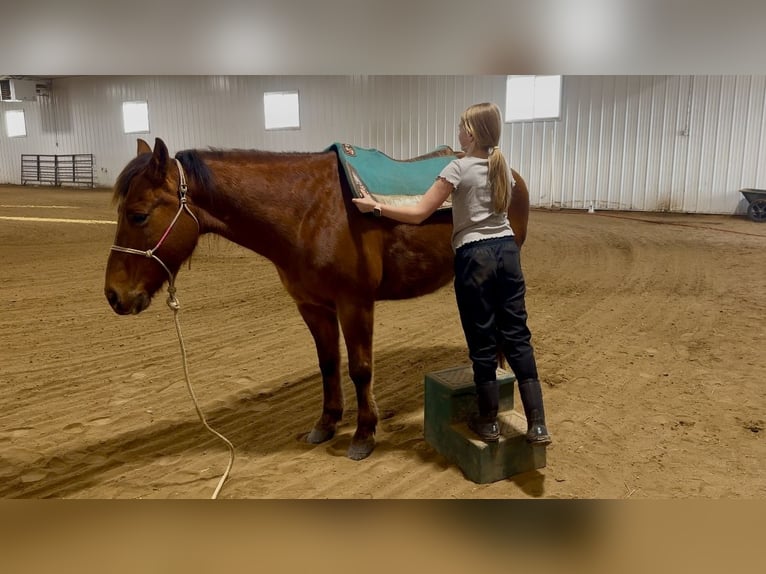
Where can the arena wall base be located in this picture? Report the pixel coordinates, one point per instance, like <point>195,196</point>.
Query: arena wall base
<point>450,399</point>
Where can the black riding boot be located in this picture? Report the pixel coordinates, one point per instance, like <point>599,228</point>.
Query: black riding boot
<point>485,424</point>
<point>532,400</point>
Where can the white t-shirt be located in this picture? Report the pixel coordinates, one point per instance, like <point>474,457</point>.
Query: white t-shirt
<point>473,216</point>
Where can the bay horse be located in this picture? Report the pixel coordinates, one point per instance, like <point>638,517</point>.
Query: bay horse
<point>295,209</point>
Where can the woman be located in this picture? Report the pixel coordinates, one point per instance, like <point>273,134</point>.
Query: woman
<point>489,284</point>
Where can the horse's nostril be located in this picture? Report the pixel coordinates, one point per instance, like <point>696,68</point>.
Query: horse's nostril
<point>113,298</point>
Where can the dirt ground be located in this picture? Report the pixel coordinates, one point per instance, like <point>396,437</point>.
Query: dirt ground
<point>649,331</point>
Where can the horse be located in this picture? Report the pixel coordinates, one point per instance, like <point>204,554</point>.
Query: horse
<point>295,209</point>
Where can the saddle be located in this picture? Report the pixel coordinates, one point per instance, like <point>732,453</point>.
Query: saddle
<point>390,181</point>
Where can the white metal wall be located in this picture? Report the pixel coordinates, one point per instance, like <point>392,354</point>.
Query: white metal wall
<point>403,116</point>
<point>651,143</point>
<point>677,143</point>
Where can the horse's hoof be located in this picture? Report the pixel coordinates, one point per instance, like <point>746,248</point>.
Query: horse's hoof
<point>361,449</point>
<point>317,435</point>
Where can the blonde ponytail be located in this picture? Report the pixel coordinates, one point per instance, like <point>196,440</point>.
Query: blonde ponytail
<point>485,121</point>
<point>499,181</point>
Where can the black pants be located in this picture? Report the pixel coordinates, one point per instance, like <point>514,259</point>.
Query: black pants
<point>490,289</point>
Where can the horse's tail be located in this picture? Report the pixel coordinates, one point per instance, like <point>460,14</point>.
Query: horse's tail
<point>518,212</point>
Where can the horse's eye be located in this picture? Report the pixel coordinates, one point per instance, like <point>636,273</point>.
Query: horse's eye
<point>138,218</point>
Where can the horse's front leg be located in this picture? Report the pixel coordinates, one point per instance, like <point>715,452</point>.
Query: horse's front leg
<point>323,323</point>
<point>356,319</point>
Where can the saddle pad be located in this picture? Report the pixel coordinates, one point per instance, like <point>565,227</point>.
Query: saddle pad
<point>390,181</point>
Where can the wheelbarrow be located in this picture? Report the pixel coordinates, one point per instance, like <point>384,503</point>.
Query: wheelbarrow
<point>756,198</point>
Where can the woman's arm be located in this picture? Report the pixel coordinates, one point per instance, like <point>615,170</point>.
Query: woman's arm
<point>430,202</point>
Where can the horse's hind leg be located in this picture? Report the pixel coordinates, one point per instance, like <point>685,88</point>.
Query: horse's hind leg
<point>356,319</point>
<point>323,324</point>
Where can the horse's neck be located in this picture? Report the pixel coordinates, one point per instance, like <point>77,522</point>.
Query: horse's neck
<point>256,205</point>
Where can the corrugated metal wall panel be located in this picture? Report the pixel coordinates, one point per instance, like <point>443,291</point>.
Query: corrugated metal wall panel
<point>677,143</point>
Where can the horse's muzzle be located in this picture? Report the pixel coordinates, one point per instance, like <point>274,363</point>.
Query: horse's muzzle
<point>131,304</point>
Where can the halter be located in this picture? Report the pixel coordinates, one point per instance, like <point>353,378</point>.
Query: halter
<point>150,253</point>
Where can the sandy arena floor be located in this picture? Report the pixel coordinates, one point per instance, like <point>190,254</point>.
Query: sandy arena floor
<point>649,329</point>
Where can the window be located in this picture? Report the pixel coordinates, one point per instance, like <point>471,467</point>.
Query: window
<point>15,125</point>
<point>532,98</point>
<point>281,110</point>
<point>135,117</point>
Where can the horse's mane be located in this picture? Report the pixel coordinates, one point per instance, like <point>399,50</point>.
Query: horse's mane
<point>197,171</point>
<point>191,161</point>
<point>246,154</point>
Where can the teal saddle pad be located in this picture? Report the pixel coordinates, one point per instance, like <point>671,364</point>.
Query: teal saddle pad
<point>391,181</point>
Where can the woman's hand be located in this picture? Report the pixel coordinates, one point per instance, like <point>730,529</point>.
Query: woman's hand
<point>365,204</point>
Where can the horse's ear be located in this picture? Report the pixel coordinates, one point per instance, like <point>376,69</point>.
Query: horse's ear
<point>160,157</point>
<point>143,147</point>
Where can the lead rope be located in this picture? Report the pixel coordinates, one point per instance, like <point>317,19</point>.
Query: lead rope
<point>174,304</point>
<point>176,308</point>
